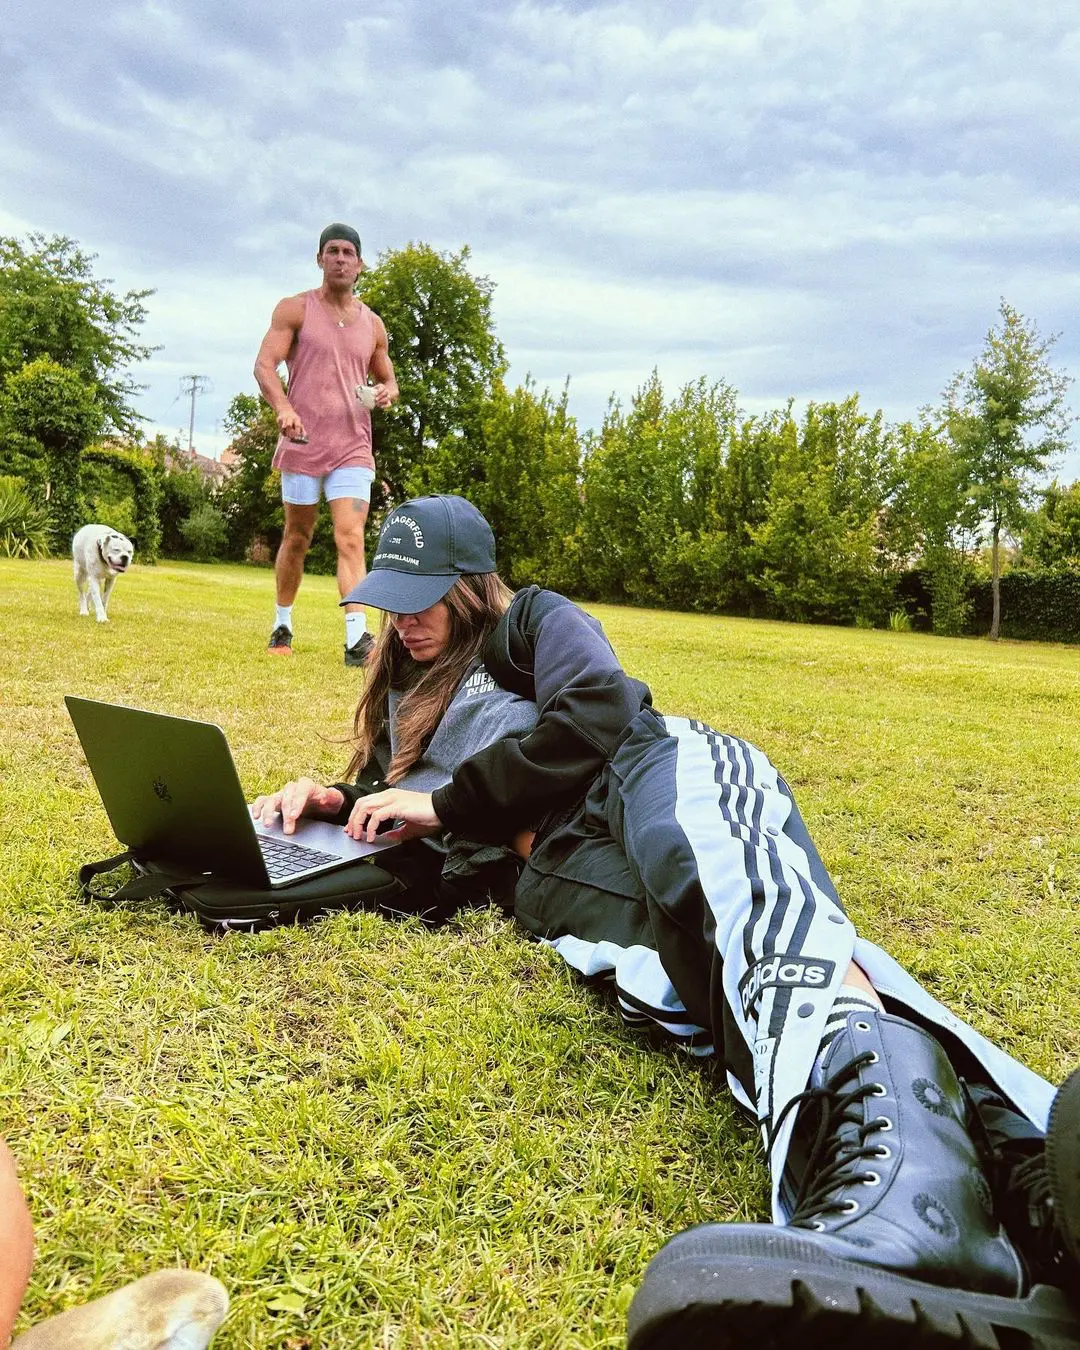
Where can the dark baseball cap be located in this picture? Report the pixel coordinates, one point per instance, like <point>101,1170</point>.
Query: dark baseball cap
<point>424,546</point>
<point>339,231</point>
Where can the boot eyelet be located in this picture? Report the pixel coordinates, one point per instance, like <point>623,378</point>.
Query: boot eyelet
<point>817,1226</point>
<point>883,1151</point>
<point>871,1179</point>
<point>852,1207</point>
<point>878,1090</point>
<point>863,1026</point>
<point>884,1124</point>
<point>873,1057</point>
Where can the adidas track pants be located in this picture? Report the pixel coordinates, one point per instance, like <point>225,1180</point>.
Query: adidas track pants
<point>746,942</point>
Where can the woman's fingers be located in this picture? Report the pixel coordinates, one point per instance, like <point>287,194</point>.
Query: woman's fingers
<point>294,800</point>
<point>266,809</point>
<point>289,803</point>
<point>412,811</point>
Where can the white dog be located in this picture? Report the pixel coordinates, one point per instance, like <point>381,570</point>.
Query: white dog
<point>100,555</point>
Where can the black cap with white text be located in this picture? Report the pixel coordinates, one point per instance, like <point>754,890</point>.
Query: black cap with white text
<point>424,546</point>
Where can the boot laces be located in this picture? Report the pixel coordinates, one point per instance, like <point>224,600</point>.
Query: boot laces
<point>1023,1202</point>
<point>1027,1210</point>
<point>834,1163</point>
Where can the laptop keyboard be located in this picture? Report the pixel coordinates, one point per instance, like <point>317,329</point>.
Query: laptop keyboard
<point>284,859</point>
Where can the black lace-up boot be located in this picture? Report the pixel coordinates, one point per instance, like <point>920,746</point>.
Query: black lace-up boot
<point>892,1232</point>
<point>1034,1179</point>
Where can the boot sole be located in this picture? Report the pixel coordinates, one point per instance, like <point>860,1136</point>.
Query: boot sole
<point>1063,1161</point>
<point>717,1287</point>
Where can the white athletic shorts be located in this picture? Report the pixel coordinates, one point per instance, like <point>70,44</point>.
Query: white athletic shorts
<point>303,489</point>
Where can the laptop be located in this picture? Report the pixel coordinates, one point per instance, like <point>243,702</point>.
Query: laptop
<point>171,792</point>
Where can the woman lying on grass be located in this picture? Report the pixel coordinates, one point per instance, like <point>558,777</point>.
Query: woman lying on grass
<point>671,860</point>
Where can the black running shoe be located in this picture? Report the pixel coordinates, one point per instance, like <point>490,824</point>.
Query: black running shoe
<point>360,651</point>
<point>280,641</point>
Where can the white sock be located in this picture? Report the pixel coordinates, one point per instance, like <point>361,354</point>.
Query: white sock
<point>849,999</point>
<point>284,617</point>
<point>355,627</point>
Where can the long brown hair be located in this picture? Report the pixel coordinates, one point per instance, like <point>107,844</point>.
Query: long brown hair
<point>476,603</point>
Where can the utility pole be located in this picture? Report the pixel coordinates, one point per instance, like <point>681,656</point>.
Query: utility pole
<point>193,385</point>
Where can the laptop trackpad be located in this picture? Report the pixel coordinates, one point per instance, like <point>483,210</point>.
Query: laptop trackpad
<point>325,837</point>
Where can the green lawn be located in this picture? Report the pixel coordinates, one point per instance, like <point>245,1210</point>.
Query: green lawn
<point>381,1136</point>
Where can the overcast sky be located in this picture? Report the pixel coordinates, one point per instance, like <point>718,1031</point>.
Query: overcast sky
<point>804,198</point>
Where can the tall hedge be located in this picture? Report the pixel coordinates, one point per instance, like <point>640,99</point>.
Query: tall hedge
<point>1040,605</point>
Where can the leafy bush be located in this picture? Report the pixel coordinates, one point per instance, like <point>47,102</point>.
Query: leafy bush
<point>205,532</point>
<point>899,621</point>
<point>24,524</point>
<point>116,512</point>
<point>183,492</point>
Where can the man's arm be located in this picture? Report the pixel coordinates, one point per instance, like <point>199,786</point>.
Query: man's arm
<point>276,345</point>
<point>386,388</point>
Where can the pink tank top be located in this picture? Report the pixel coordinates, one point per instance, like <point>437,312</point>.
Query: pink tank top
<point>326,364</point>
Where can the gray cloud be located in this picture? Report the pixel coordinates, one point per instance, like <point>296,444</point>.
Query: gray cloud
<point>804,197</point>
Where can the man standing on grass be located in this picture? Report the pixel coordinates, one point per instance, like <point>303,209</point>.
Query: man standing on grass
<point>331,343</point>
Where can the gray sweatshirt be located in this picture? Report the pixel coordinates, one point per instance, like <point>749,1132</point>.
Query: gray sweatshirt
<point>479,713</point>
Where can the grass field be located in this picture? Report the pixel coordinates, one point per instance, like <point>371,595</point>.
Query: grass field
<point>377,1135</point>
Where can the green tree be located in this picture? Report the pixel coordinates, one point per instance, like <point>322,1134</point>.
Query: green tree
<point>681,520</point>
<point>520,468</point>
<point>52,305</point>
<point>445,353</point>
<point>742,503</point>
<point>652,479</point>
<point>614,476</point>
<point>1008,420</point>
<point>109,496</point>
<point>53,406</point>
<point>250,498</point>
<point>183,489</point>
<point>825,550</point>
<point>937,519</point>
<point>1051,536</point>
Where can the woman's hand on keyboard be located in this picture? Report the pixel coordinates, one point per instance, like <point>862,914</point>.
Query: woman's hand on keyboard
<point>305,797</point>
<point>410,814</point>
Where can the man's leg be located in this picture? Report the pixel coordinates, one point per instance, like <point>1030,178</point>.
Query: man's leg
<point>349,515</point>
<point>300,497</point>
<point>348,492</point>
<point>295,542</point>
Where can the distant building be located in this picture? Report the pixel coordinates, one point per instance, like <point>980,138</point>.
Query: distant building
<point>214,470</point>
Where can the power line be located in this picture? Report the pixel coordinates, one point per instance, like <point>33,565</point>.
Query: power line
<point>193,385</point>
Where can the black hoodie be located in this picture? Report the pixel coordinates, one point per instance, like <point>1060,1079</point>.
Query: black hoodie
<point>546,649</point>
